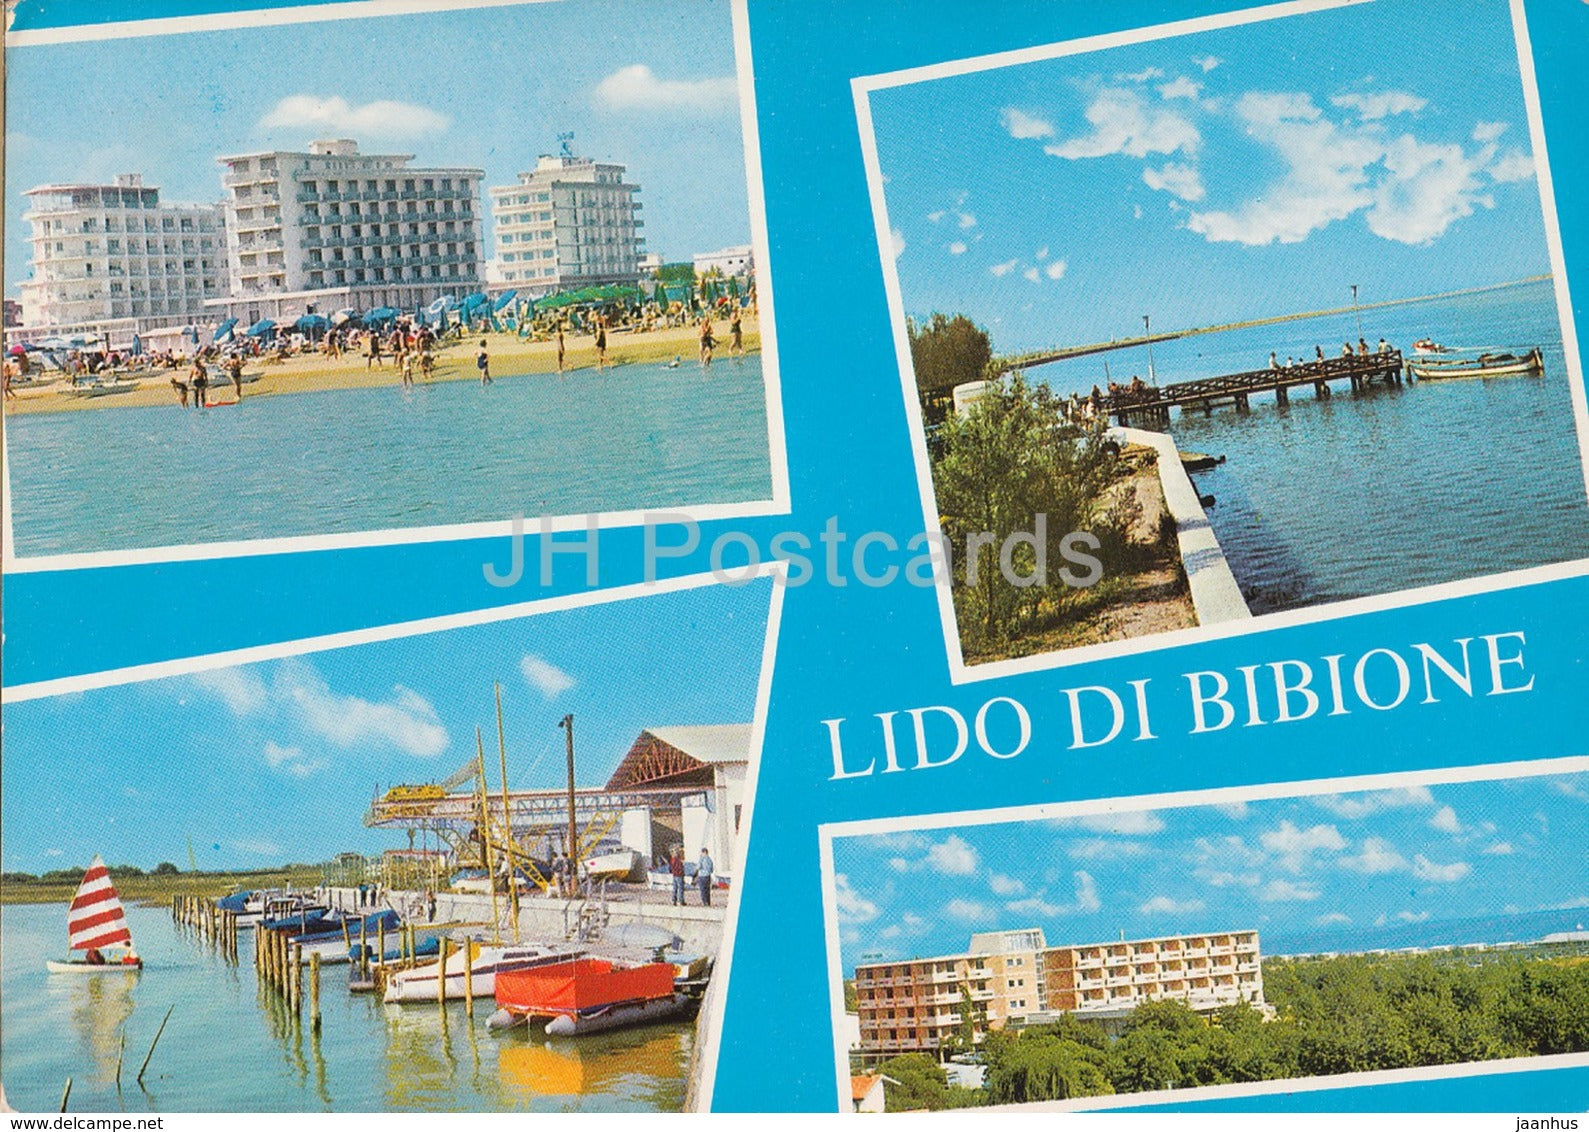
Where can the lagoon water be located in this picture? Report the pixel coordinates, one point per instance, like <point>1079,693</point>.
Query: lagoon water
<point>1397,487</point>
<point>231,1046</point>
<point>640,436</point>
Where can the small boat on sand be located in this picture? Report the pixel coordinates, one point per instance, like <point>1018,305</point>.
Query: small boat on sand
<point>96,925</point>
<point>104,388</point>
<point>1485,365</point>
<point>588,995</point>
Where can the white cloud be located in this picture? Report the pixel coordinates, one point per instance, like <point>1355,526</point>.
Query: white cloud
<point>1515,165</point>
<point>240,689</point>
<point>1164,905</point>
<point>999,270</point>
<point>1103,849</point>
<point>1500,849</point>
<point>953,857</point>
<point>1227,879</point>
<point>852,906</point>
<point>545,677</point>
<point>899,864</point>
<point>957,248</point>
<point>1005,886</point>
<point>1294,847</point>
<point>1033,275</point>
<point>1207,62</point>
<point>1425,869</point>
<point>967,910</point>
<point>1041,253</point>
<point>1180,87</point>
<point>1147,74</point>
<point>1182,181</point>
<point>1445,820</point>
<point>291,760</point>
<point>966,220</point>
<point>1056,269</point>
<point>1569,905</point>
<point>1412,917</point>
<point>406,721</point>
<point>1123,122</point>
<point>1235,811</point>
<point>1429,188</point>
<point>1284,891</point>
<point>1379,104</point>
<point>256,848</point>
<point>1377,856</point>
<point>1023,125</point>
<point>636,87</point>
<point>1136,211</point>
<point>1086,893</point>
<point>1355,806</point>
<point>1036,906</point>
<point>336,116</point>
<point>937,216</point>
<point>1129,823</point>
<point>1333,918</point>
<point>897,239</point>
<point>1488,131</point>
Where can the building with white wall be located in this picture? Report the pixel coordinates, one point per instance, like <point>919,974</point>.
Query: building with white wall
<point>333,227</point>
<point>103,252</point>
<point>739,260</point>
<point>569,222</point>
<point>1016,978</point>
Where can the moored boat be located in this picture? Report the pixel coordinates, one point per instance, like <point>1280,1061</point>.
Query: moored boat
<point>485,962</point>
<point>588,995</point>
<point>96,924</point>
<point>1485,365</point>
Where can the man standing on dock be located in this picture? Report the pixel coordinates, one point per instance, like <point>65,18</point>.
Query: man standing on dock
<point>676,869</point>
<point>703,877</point>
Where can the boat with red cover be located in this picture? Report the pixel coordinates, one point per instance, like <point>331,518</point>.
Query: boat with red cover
<point>588,995</point>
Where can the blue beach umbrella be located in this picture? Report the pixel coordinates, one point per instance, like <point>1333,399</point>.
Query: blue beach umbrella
<point>224,331</point>
<point>264,328</point>
<point>137,344</point>
<point>506,298</point>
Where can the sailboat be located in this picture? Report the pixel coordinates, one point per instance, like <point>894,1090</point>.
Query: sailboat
<point>96,923</point>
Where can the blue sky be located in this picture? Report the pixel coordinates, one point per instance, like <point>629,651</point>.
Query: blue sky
<point>278,760</point>
<point>1342,864</point>
<point>489,88</point>
<point>1219,176</point>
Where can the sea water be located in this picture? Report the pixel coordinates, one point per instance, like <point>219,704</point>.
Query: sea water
<point>1391,488</point>
<point>231,1045</point>
<point>639,436</point>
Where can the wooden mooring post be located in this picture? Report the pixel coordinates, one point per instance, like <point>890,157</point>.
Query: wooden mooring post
<point>314,992</point>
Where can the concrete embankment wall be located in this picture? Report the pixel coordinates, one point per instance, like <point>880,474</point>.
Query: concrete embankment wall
<point>1215,595</point>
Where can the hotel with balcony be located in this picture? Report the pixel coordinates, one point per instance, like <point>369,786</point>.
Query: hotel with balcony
<point>334,228</point>
<point>570,222</point>
<point>1014,978</point>
<point>114,256</point>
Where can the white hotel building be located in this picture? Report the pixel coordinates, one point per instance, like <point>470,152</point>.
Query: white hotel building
<point>335,228</point>
<point>106,253</point>
<point>570,222</point>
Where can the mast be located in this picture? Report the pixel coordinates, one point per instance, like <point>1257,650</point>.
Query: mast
<point>485,831</point>
<point>507,820</point>
<point>567,724</point>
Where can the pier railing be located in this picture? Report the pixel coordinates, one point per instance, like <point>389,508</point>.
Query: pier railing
<point>1151,403</point>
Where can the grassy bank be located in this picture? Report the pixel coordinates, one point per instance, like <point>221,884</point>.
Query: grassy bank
<point>159,888</point>
<point>511,357</point>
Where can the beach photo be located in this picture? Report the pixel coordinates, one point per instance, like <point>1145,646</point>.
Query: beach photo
<point>1232,944</point>
<point>1224,324</point>
<point>309,282</point>
<point>481,867</point>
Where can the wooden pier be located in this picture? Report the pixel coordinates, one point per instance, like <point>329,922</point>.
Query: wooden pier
<point>1149,406</point>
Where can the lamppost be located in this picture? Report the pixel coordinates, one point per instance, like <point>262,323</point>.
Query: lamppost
<point>1357,312</point>
<point>1147,330</point>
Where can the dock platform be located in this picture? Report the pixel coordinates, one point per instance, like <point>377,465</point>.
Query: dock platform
<point>1150,406</point>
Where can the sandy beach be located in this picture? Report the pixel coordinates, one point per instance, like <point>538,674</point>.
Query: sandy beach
<point>510,357</point>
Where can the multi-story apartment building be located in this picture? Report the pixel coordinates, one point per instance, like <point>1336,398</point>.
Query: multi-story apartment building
<point>113,252</point>
<point>1015,978</point>
<point>569,222</point>
<point>335,227</point>
<point>739,260</point>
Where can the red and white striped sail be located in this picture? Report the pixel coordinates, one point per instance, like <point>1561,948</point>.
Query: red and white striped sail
<point>95,918</point>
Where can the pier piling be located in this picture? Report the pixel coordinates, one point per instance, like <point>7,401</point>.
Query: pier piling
<point>441,975</point>
<point>468,980</point>
<point>314,992</point>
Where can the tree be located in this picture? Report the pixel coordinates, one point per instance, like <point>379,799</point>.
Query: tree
<point>946,352</point>
<point>670,274</point>
<point>921,1083</point>
<point>1039,1067</point>
<point>165,869</point>
<point>852,999</point>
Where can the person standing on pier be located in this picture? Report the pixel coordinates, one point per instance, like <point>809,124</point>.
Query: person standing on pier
<point>1318,353</point>
<point>676,870</point>
<point>1274,360</point>
<point>703,877</point>
<point>1362,347</point>
<point>1346,349</point>
<point>1384,346</point>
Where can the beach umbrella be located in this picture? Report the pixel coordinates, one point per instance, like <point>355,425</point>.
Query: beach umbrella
<point>262,329</point>
<point>137,344</point>
<point>224,331</point>
<point>733,286</point>
<point>661,296</point>
<point>506,298</point>
<point>18,351</point>
<point>192,334</point>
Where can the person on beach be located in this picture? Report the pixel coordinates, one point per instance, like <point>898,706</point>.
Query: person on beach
<point>234,367</point>
<point>482,362</point>
<point>374,356</point>
<point>200,378</point>
<point>181,387</point>
<point>676,871</point>
<point>703,877</point>
<point>561,349</point>
<point>736,335</point>
<point>408,370</point>
<point>601,342</point>
<point>707,342</point>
